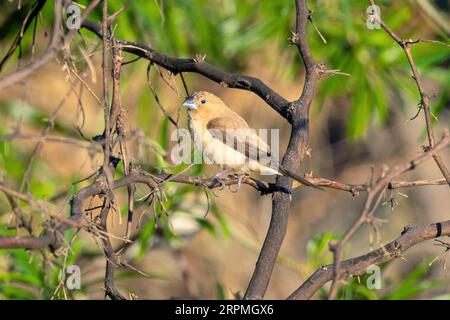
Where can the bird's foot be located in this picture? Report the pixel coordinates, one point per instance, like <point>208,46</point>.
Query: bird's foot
<point>239,183</point>
<point>222,183</point>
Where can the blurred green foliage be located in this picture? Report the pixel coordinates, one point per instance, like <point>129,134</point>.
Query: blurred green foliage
<point>411,286</point>
<point>34,276</point>
<point>230,32</point>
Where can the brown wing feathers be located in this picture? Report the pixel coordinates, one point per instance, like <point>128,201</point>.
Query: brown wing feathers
<point>296,177</point>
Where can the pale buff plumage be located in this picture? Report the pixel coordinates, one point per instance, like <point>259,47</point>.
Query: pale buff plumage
<point>208,121</point>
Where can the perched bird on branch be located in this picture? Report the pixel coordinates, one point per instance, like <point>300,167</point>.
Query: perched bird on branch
<point>225,139</point>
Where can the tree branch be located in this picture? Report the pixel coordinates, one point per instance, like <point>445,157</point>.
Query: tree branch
<point>52,49</point>
<point>179,65</point>
<point>424,97</point>
<point>355,189</point>
<point>358,266</point>
<point>298,144</point>
<point>32,15</point>
<point>373,197</point>
<point>53,237</point>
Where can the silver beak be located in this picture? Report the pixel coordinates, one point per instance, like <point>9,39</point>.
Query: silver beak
<point>190,103</point>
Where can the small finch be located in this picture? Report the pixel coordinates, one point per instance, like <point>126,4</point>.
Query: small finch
<point>226,140</point>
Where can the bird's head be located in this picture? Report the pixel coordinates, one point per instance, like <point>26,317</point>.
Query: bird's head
<point>203,101</point>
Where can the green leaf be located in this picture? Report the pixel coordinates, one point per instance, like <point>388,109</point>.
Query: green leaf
<point>414,283</point>
<point>317,249</point>
<point>225,228</point>
<point>163,142</point>
<point>220,291</point>
<point>205,224</point>
<point>359,114</point>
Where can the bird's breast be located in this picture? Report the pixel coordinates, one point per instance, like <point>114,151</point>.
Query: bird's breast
<point>195,129</point>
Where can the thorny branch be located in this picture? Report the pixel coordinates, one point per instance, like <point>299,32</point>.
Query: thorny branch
<point>375,190</point>
<point>424,97</point>
<point>32,15</point>
<point>179,65</point>
<point>98,188</point>
<point>108,168</point>
<point>298,144</point>
<point>374,193</point>
<point>55,44</point>
<point>359,265</point>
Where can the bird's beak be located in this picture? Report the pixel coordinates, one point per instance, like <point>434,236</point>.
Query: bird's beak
<point>190,103</point>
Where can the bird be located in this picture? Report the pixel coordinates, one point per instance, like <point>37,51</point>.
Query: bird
<point>226,139</point>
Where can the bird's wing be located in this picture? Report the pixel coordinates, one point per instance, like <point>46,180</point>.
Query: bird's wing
<point>235,132</point>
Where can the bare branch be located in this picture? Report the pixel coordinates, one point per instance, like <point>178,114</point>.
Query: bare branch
<point>77,218</point>
<point>34,12</point>
<point>298,144</point>
<point>370,205</point>
<point>355,189</point>
<point>424,97</point>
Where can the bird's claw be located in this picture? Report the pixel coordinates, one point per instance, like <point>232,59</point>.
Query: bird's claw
<point>217,178</point>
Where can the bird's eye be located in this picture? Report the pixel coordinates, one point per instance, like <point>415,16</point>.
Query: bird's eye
<point>203,101</point>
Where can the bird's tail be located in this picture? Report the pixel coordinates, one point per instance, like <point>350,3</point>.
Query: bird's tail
<point>297,178</point>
